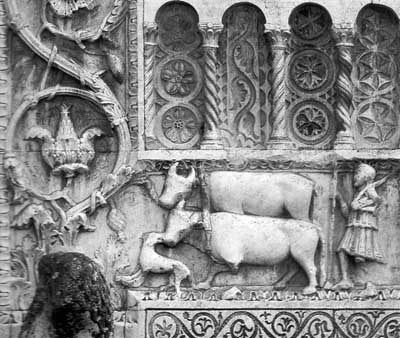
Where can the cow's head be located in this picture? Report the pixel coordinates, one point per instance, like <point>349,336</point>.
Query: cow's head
<point>176,187</point>
<point>180,223</point>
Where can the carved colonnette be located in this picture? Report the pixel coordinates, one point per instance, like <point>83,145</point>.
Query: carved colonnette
<point>344,43</point>
<point>279,137</point>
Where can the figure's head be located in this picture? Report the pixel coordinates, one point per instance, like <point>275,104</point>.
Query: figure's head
<point>364,174</point>
<point>176,187</point>
<point>180,222</point>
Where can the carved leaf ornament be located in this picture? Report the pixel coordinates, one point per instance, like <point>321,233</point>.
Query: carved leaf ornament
<point>67,153</point>
<point>178,77</point>
<point>56,216</point>
<point>66,8</point>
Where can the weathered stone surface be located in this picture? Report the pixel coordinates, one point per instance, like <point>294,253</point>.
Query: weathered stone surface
<point>72,299</point>
<point>232,168</point>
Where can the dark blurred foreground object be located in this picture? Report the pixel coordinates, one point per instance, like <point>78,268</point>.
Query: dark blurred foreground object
<point>72,300</point>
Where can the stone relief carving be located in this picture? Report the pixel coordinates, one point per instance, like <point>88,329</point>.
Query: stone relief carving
<point>66,153</point>
<point>214,175</point>
<point>360,239</point>
<point>174,79</point>
<point>376,91</point>
<point>244,122</point>
<point>312,75</point>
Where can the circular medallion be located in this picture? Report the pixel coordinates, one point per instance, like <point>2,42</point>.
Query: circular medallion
<point>310,21</point>
<point>376,71</point>
<point>179,79</point>
<point>178,127</point>
<point>312,123</point>
<point>377,121</point>
<point>164,324</point>
<point>311,71</point>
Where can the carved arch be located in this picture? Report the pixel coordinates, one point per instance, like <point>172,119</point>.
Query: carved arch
<point>375,74</point>
<point>243,76</point>
<point>173,77</point>
<point>311,75</point>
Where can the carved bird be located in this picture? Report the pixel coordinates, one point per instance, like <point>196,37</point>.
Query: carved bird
<point>66,153</point>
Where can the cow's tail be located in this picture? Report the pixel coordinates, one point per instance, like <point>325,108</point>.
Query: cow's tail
<point>322,258</point>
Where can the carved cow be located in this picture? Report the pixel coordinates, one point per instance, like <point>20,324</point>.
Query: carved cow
<point>263,194</point>
<point>243,239</point>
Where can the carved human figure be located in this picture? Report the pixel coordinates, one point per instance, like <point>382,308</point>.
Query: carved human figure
<point>360,239</point>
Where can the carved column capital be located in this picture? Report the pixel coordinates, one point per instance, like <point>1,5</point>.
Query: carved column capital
<point>343,35</point>
<point>211,33</point>
<point>150,33</point>
<point>279,38</point>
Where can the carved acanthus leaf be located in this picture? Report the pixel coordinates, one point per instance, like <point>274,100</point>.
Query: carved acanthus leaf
<point>33,212</point>
<point>41,218</point>
<point>211,33</point>
<point>278,37</point>
<point>151,33</point>
<point>343,35</point>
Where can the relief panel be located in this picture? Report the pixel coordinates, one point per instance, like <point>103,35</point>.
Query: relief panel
<point>375,76</point>
<point>174,79</point>
<point>311,75</point>
<point>243,77</point>
<point>218,178</point>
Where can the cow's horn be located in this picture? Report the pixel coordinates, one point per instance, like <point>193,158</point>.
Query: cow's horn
<point>172,169</point>
<point>192,175</point>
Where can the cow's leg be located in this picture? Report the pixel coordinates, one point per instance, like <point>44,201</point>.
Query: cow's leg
<point>214,270</point>
<point>303,252</point>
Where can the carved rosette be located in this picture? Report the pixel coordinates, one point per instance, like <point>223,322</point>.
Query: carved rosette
<point>211,137</point>
<point>344,87</point>
<point>376,119</point>
<point>279,137</point>
<point>151,37</point>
